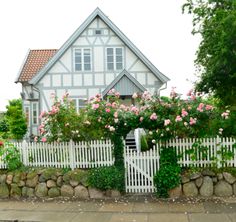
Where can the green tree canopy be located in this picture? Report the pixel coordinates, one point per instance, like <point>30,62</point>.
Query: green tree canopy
<point>215,21</point>
<point>16,120</point>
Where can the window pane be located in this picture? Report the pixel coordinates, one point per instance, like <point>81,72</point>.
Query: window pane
<point>77,67</point>
<point>109,58</point>
<point>78,59</point>
<point>87,52</point>
<point>86,59</point>
<point>119,65</point>
<point>82,102</point>
<point>119,59</point>
<point>118,51</point>
<point>110,66</point>
<point>87,67</point>
<point>109,51</point>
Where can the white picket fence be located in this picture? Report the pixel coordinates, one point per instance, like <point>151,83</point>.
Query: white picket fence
<point>66,155</point>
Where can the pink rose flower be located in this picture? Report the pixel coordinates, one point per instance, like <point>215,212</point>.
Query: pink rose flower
<point>95,106</point>
<point>108,110</point>
<point>44,139</point>
<point>167,122</point>
<point>178,119</point>
<point>153,116</point>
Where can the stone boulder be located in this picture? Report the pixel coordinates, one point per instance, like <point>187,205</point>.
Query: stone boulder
<point>59,181</point>
<point>190,189</point>
<point>234,188</point>
<point>32,182</point>
<point>185,178</point>
<point>15,191</point>
<point>3,178</point>
<point>41,190</point>
<point>223,189</point>
<point>220,176</point>
<point>74,183</point>
<point>27,192</point>
<point>95,193</point>
<point>4,191</point>
<point>206,189</point>
<point>194,176</point>
<point>9,179</point>
<point>67,191</point>
<point>199,182</point>
<point>175,192</point>
<point>51,183</point>
<point>81,192</point>
<point>207,172</point>
<point>54,192</point>
<point>229,178</point>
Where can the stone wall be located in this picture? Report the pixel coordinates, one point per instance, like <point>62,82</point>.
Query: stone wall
<point>206,184</point>
<point>50,183</point>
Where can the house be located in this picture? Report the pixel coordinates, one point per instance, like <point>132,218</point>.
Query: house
<point>96,58</point>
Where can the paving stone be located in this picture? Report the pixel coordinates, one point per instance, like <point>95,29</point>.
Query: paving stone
<point>168,218</point>
<point>208,218</point>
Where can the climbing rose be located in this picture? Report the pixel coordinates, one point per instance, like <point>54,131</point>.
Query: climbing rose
<point>166,122</point>
<point>153,116</point>
<point>44,139</point>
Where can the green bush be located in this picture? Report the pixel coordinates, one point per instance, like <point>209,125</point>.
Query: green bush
<point>11,156</point>
<point>105,178</point>
<point>168,177</point>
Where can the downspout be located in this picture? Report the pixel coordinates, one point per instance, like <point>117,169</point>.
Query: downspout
<point>39,102</point>
<point>163,88</point>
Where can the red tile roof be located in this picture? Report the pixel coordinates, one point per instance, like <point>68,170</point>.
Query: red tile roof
<point>36,59</point>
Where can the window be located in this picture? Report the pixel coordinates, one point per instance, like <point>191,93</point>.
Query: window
<point>114,58</point>
<point>79,104</point>
<point>82,59</point>
<point>98,31</point>
<point>35,113</point>
<point>27,115</point>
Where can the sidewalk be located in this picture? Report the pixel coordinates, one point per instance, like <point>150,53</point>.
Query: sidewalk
<point>131,209</point>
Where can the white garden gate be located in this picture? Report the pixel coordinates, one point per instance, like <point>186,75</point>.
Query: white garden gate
<point>140,168</point>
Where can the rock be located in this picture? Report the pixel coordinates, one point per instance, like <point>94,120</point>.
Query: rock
<point>74,183</point>
<point>4,191</point>
<point>49,174</point>
<point>194,176</point>
<point>17,177</point>
<point>59,181</point>
<point>185,179</point>
<point>21,183</point>
<point>215,180</point>
<point>229,178</point>
<point>42,179</point>
<point>66,178</point>
<point>32,182</point>
<point>54,192</point>
<point>27,192</point>
<point>81,192</point>
<point>220,176</point>
<point>51,183</point>
<point>223,189</point>
<point>207,172</point>
<point>198,182</point>
<point>190,189</point>
<point>41,190</point>
<point>234,188</point>
<point>31,175</point>
<point>15,190</point>
<point>3,178</point>
<point>206,189</point>
<point>9,178</point>
<point>95,193</point>
<point>175,192</point>
<point>23,175</point>
<point>67,191</point>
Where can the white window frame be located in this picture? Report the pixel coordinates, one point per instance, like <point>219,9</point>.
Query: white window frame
<point>82,51</point>
<point>114,58</point>
<point>77,104</point>
<point>36,115</point>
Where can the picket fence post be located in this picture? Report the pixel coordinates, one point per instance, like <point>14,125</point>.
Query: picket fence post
<point>218,152</point>
<point>72,154</point>
<point>24,152</point>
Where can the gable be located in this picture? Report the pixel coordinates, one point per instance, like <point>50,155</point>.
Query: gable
<point>83,36</point>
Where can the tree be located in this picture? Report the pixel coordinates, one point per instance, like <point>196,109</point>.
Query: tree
<point>15,119</point>
<point>215,21</point>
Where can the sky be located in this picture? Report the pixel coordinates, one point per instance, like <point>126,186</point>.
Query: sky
<point>157,27</point>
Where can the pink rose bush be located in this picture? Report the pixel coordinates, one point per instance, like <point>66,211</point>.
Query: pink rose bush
<point>164,117</point>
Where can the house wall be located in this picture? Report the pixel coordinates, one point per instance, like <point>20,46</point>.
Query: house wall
<point>62,77</point>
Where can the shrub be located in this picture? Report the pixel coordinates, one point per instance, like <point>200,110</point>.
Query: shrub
<point>144,144</point>
<point>11,156</point>
<point>168,177</point>
<point>105,178</point>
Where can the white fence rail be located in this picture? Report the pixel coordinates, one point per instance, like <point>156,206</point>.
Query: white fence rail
<point>62,155</point>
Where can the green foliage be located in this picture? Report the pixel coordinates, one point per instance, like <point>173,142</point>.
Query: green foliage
<point>11,156</point>
<point>168,176</point>
<point>105,178</point>
<point>15,119</point>
<point>215,20</point>
<point>144,144</point>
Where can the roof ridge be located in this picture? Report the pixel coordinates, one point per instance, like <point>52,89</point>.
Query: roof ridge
<point>42,49</point>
